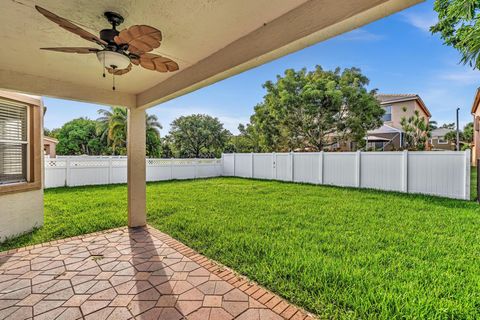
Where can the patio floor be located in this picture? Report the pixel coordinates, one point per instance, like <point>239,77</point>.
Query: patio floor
<point>128,274</point>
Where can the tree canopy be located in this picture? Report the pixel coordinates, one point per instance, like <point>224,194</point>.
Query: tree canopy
<point>105,136</point>
<point>198,136</point>
<point>78,137</point>
<point>311,110</point>
<point>459,27</point>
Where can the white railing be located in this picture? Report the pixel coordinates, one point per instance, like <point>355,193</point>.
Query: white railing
<point>445,174</point>
<point>81,171</point>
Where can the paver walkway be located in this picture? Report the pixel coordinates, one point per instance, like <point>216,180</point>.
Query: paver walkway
<point>128,274</point>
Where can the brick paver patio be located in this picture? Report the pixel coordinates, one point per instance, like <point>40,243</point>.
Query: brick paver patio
<point>128,274</point>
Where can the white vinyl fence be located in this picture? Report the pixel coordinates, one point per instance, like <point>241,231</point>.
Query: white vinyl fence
<point>81,171</point>
<point>445,174</point>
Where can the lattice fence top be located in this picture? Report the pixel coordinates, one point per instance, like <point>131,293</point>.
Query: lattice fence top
<point>52,163</point>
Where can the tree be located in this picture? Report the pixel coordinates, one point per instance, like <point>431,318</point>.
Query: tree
<point>153,128</point>
<point>243,142</point>
<point>465,136</point>
<point>417,131</point>
<point>79,137</point>
<point>450,126</point>
<point>198,136</point>
<point>459,26</point>
<point>51,133</point>
<point>433,124</point>
<point>312,110</point>
<point>112,127</point>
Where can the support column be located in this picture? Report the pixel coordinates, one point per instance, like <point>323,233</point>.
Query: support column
<point>136,165</point>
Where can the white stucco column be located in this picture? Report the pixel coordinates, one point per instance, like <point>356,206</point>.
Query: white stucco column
<point>136,168</point>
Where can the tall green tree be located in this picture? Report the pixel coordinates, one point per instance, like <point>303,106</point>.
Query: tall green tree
<point>313,110</point>
<point>198,136</point>
<point>79,137</point>
<point>153,128</point>
<point>112,127</point>
<point>465,136</point>
<point>417,131</point>
<point>459,27</point>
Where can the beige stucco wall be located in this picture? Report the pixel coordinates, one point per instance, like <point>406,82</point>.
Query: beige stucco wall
<point>20,213</point>
<point>398,113</point>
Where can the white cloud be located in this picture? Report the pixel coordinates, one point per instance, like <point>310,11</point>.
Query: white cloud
<point>361,35</point>
<point>421,21</point>
<point>467,77</point>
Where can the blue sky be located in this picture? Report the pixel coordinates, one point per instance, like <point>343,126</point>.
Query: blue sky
<point>396,53</point>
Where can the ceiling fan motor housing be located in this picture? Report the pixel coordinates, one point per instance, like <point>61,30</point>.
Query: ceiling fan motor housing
<point>108,35</point>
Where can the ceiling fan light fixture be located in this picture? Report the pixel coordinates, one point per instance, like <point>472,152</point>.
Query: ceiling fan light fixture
<point>112,59</point>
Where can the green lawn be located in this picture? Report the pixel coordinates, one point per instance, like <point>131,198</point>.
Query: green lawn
<point>339,252</point>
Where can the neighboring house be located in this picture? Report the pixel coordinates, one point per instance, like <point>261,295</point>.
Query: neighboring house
<point>476,128</point>
<point>438,141</point>
<point>49,146</point>
<point>390,135</point>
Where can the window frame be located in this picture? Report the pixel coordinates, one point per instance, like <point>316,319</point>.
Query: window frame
<point>33,159</point>
<point>385,114</point>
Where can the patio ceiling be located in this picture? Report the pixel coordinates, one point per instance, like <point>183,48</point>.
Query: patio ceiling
<point>211,40</point>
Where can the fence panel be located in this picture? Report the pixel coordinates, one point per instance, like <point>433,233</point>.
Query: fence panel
<point>81,171</point>
<point>444,174</point>
<point>283,166</point>
<point>306,167</point>
<point>243,165</point>
<point>382,170</point>
<point>339,169</point>
<point>228,164</point>
<point>263,166</point>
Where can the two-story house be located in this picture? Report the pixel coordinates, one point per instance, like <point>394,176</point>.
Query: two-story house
<point>390,135</point>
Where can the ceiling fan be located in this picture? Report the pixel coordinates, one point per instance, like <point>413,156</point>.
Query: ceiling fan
<point>119,49</point>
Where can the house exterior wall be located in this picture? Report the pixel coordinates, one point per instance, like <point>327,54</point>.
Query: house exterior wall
<point>398,113</point>
<point>476,137</point>
<point>20,213</point>
<point>21,205</point>
<point>435,145</point>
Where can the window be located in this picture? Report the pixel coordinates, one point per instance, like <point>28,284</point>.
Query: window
<point>441,140</point>
<point>13,143</point>
<point>388,113</point>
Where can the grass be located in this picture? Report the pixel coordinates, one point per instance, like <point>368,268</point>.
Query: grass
<point>339,252</point>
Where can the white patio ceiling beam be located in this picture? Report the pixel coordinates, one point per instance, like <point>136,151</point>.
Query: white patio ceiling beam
<point>309,23</point>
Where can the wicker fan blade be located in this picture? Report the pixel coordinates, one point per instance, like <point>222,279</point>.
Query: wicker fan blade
<point>155,62</point>
<point>119,72</point>
<point>80,50</point>
<point>67,25</point>
<point>140,38</point>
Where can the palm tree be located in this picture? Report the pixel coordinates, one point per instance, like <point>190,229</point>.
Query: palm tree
<point>153,128</point>
<point>113,127</point>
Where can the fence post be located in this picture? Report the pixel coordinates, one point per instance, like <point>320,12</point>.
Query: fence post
<point>234,164</point>
<point>171,168</point>
<point>195,168</point>
<point>467,175</point>
<point>222,163</point>
<point>251,161</point>
<point>357,168</point>
<point>405,171</point>
<point>109,170</point>
<point>274,166</point>
<point>67,172</point>
<point>320,168</point>
<point>292,177</point>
